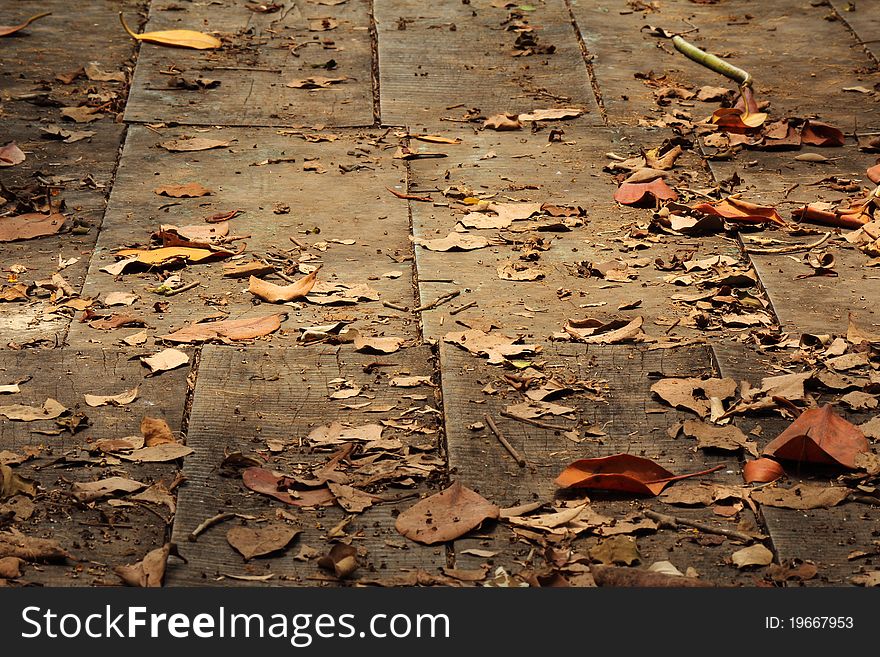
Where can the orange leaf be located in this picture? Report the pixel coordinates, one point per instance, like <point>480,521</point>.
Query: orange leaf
<point>736,209</point>
<point>761,471</point>
<point>445,516</point>
<point>280,293</point>
<point>874,174</point>
<point>278,486</point>
<point>6,30</point>
<point>621,472</point>
<point>30,225</point>
<point>816,133</point>
<point>189,190</point>
<point>820,436</point>
<point>168,254</point>
<point>650,193</point>
<point>230,329</point>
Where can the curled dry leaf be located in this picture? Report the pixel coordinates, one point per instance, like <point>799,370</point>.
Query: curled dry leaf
<point>282,293</point>
<point>252,542</point>
<point>167,359</point>
<point>453,242</point>
<point>6,30</point>
<point>649,193</point>
<point>189,190</point>
<point>10,155</point>
<point>352,499</point>
<point>341,561</point>
<point>621,472</point>
<point>12,484</point>
<point>738,210</point>
<point>595,331</point>
<point>762,471</point>
<point>89,491</point>
<point>230,329</point>
<point>168,255</point>
<point>174,38</point>
<point>186,145</point>
<point>445,516</point>
<point>819,435</point>
<point>497,347</point>
<point>10,567</point>
<point>369,345</point>
<point>503,122</point>
<point>156,431</point>
<point>121,399</point>
<point>16,544</point>
<point>30,225</point>
<point>754,555</point>
<point>149,572</point>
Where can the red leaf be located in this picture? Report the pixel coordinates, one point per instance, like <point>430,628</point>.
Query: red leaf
<point>738,210</point>
<point>874,174</point>
<point>648,193</point>
<point>621,472</point>
<point>816,133</point>
<point>268,483</point>
<point>820,436</point>
<point>761,471</point>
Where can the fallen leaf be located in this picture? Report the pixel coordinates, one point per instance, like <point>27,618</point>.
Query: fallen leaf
<point>149,572</point>
<point>445,516</point>
<point>119,299</point>
<point>801,497</point>
<point>410,381</point>
<point>10,568</point>
<point>514,270</point>
<point>616,550</point>
<point>762,471</point>
<point>252,542</point>
<point>115,321</point>
<point>341,560</point>
<point>818,435</point>
<point>497,347</point>
<point>167,255</point>
<point>6,30</point>
<point>649,193</point>
<point>866,579</point>
<point>12,484</point>
<point>28,226</point>
<point>81,114</point>
<point>726,438</point>
<point>174,38</point>
<point>90,491</point>
<point>126,444</point>
<point>274,485</point>
<point>613,332</point>
<point>189,190</point>
<point>282,293</point>
<point>754,555</point>
<point>370,345</point>
<point>50,410</point>
<point>189,144</point>
<point>120,399</point>
<point>156,431</point>
<point>735,209</point>
<point>167,359</point>
<point>16,544</point>
<point>234,329</point>
<point>10,155</point>
<point>503,122</point>
<point>453,242</point>
<point>93,72</point>
<point>621,472</point>
<point>315,82</point>
<point>68,136</point>
<point>158,453</point>
<point>157,494</point>
<point>351,499</point>
<point>551,114</point>
<point>816,133</point>
<point>436,139</point>
<point>337,433</point>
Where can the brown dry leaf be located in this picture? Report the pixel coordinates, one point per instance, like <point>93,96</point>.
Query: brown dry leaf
<point>10,155</point>
<point>616,550</point>
<point>337,433</point>
<point>453,242</point>
<point>754,555</point>
<point>551,114</point>
<point>352,499</point>
<point>68,136</point>
<point>341,560</point>
<point>856,335</point>
<point>531,410</point>
<point>230,329</point>
<point>16,544</point>
<point>817,133</point>
<point>149,572</point>
<point>174,38</point>
<point>278,486</point>
<point>93,72</point>
<point>12,484</point>
<point>252,542</point>
<point>410,381</point>
<point>316,82</point>
<point>649,193</point>
<point>30,225</point>
<point>168,254</point>
<point>818,435</point>
<point>115,321</point>
<point>158,453</point>
<point>496,346</point>
<point>120,399</point>
<point>189,190</point>
<point>282,293</point>
<point>727,438</point>
<point>762,471</point>
<point>502,122</point>
<point>119,299</point>
<point>156,432</point>
<point>445,516</point>
<point>595,331</point>
<point>801,497</point>
<point>90,491</point>
<point>157,494</point>
<point>514,270</point>
<point>167,359</point>
<point>735,209</point>
<point>190,144</point>
<point>50,410</point>
<point>10,568</point>
<point>126,444</point>
<point>621,472</point>
<point>370,345</point>
<point>81,114</point>
<point>681,393</point>
<point>436,139</point>
<point>6,30</point>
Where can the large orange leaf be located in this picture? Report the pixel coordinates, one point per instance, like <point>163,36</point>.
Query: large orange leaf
<point>820,436</point>
<point>175,38</point>
<point>229,329</point>
<point>649,193</point>
<point>742,117</point>
<point>735,209</point>
<point>621,472</point>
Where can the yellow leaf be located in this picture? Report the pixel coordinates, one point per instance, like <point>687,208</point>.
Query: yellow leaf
<point>166,254</point>
<point>175,38</point>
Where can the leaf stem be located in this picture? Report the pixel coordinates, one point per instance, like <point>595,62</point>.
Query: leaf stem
<point>712,62</point>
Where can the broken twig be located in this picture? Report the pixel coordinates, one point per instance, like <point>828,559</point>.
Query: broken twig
<point>674,521</point>
<point>501,439</point>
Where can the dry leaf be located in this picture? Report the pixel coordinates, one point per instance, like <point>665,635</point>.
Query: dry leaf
<point>252,542</point>
<point>158,453</point>
<point>167,255</point>
<point>337,433</point>
<point>649,193</point>
<point>6,30</point>
<point>174,38</point>
<point>187,145</point>
<point>28,226</point>
<point>351,499</point>
<point>10,155</point>
<point>497,347</point>
<point>445,516</point>
<point>15,544</point>
<point>754,555</point>
<point>167,359</point>
<point>341,561</point>
<point>156,432</point>
<point>189,190</point>
<point>503,122</point>
<point>727,438</point>
<point>819,436</point>
<point>621,472</point>
<point>10,568</point>
<point>551,114</point>
<point>22,413</point>
<point>315,82</point>
<point>736,209</point>
<point>90,491</point>
<point>94,72</point>
<point>282,293</point>
<point>81,114</point>
<point>762,471</point>
<point>120,399</point>
<point>149,572</point>
<point>369,345</point>
<point>269,483</point>
<point>410,381</point>
<point>514,270</point>
<point>126,444</point>
<point>801,497</point>
<point>230,329</point>
<point>616,550</point>
<point>614,332</point>
<point>453,242</point>
<point>119,299</point>
<point>11,484</point>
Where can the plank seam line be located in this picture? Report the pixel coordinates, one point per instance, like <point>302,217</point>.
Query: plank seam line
<point>374,67</point>
<point>588,62</point>
<point>854,34</point>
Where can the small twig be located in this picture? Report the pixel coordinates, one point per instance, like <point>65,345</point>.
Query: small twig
<point>470,304</point>
<point>394,306</point>
<point>182,288</point>
<point>208,523</point>
<point>536,423</point>
<point>241,68</point>
<point>674,521</point>
<point>439,301</point>
<point>501,439</point>
<point>794,248</point>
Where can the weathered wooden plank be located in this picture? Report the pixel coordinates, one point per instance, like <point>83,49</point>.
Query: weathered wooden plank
<point>825,537</point>
<point>99,535</point>
<point>863,21</point>
<point>280,202</point>
<point>243,400</point>
<point>262,53</point>
<point>634,421</point>
<point>432,58</point>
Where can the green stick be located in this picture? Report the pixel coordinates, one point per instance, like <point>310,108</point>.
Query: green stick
<point>712,62</point>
